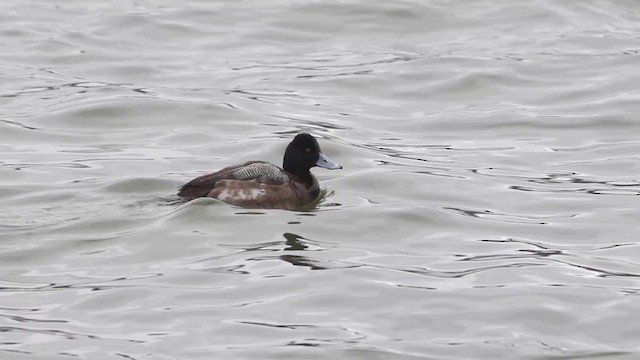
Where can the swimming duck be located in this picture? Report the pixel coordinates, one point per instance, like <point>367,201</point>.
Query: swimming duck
<point>259,184</point>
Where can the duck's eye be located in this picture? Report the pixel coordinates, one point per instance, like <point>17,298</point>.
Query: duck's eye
<point>307,150</point>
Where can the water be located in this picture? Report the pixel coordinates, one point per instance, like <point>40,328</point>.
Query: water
<point>487,209</point>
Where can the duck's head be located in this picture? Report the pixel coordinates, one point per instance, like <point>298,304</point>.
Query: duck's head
<point>303,153</point>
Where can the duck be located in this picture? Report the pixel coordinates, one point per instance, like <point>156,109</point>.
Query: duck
<point>262,185</point>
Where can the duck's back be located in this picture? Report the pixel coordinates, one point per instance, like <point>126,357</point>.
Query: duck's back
<point>259,172</point>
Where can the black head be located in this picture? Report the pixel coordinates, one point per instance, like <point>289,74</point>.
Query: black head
<point>303,153</point>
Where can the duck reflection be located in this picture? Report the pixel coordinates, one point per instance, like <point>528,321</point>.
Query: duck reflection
<point>295,242</point>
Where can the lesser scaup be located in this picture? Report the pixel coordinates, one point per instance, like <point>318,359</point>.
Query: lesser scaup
<point>259,184</point>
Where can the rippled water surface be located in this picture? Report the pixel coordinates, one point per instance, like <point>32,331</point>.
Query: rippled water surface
<point>488,207</point>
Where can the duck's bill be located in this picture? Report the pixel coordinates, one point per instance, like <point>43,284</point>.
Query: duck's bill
<point>325,162</point>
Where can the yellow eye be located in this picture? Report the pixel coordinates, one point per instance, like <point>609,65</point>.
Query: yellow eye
<point>307,150</point>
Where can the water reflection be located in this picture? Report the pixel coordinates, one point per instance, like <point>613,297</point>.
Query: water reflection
<point>294,242</point>
<point>299,260</point>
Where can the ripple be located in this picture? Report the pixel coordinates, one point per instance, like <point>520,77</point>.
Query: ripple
<point>464,224</point>
<point>503,217</point>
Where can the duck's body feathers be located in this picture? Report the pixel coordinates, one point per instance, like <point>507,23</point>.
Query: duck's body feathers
<point>254,184</point>
<point>258,184</point>
<point>255,171</point>
<point>262,172</point>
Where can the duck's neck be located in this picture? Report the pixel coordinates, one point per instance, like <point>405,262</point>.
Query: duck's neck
<point>306,177</point>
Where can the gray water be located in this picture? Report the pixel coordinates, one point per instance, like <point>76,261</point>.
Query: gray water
<point>488,206</point>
